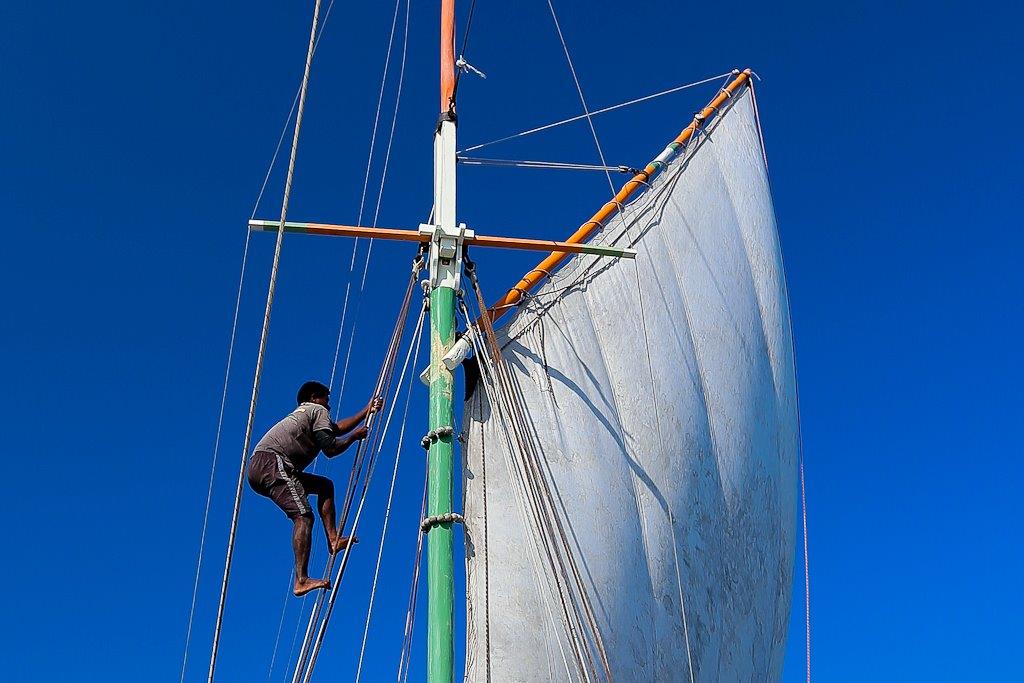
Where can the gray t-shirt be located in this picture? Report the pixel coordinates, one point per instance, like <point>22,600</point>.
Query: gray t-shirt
<point>292,438</point>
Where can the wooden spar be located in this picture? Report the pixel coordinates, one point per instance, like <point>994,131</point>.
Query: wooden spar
<point>416,236</point>
<point>599,219</point>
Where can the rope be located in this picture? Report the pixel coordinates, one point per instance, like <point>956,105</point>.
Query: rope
<point>410,613</point>
<point>280,625</point>
<point>807,573</point>
<point>474,161</point>
<point>487,376</point>
<point>579,90</point>
<point>231,348</point>
<point>314,651</point>
<point>555,544</point>
<point>382,387</point>
<point>391,492</point>
<point>430,522</point>
<point>362,201</point>
<point>263,342</point>
<point>613,107</point>
<point>661,442</point>
<point>462,52</point>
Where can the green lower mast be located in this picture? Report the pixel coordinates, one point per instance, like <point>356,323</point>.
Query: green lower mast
<point>446,247</point>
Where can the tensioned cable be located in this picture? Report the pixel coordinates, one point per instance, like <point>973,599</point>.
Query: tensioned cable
<point>380,193</point>
<point>314,651</point>
<point>807,573</point>
<point>462,50</point>
<point>661,444</point>
<point>366,181</point>
<point>263,341</point>
<point>410,613</point>
<point>556,545</point>
<point>280,625</point>
<point>573,119</point>
<point>561,165</point>
<point>382,388</point>
<point>231,349</point>
<point>579,91</point>
<point>391,493</point>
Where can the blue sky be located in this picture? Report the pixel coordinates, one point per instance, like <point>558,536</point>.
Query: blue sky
<point>135,139</point>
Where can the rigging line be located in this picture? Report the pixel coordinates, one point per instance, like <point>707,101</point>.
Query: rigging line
<point>579,90</point>
<point>391,139</point>
<point>807,574</point>
<point>280,626</point>
<point>263,340</point>
<point>391,492</point>
<point>410,614</point>
<point>217,439</point>
<point>231,349</point>
<point>318,642</point>
<point>295,635</point>
<point>547,520</point>
<point>462,51</point>
<point>382,386</point>
<point>569,166</point>
<point>527,499</point>
<point>380,194</point>
<point>613,107</point>
<point>527,495</point>
<point>661,443</point>
<point>357,464</point>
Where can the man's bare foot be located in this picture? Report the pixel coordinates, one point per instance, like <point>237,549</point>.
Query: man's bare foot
<point>304,586</point>
<point>342,542</point>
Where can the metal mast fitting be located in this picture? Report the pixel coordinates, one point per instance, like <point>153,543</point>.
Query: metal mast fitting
<point>446,248</point>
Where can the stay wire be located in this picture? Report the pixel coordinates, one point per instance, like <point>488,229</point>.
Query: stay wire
<point>410,613</point>
<point>230,358</point>
<point>355,243</point>
<point>557,548</point>
<point>573,119</point>
<point>462,50</point>
<point>336,584</point>
<point>579,91</point>
<point>366,184</point>
<point>380,389</point>
<point>391,492</point>
<point>263,341</point>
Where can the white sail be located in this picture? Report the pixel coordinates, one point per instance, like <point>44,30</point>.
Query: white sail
<point>667,425</point>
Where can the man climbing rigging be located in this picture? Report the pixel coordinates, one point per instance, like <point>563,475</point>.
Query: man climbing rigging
<point>277,464</point>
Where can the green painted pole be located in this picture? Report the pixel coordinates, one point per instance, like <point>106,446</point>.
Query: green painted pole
<point>440,468</point>
<point>441,455</point>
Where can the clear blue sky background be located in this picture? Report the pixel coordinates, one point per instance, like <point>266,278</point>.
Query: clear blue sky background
<point>135,137</point>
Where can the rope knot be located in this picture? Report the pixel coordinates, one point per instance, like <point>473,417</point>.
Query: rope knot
<point>446,518</point>
<point>434,434</point>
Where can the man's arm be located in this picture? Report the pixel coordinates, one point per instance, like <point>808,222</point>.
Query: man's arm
<point>349,423</point>
<point>332,445</point>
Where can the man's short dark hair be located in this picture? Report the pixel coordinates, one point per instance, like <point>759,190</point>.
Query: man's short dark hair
<point>311,390</point>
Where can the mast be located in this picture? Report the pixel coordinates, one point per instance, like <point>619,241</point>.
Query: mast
<point>445,262</point>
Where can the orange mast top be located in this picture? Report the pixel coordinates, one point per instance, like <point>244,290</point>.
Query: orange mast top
<point>447,54</point>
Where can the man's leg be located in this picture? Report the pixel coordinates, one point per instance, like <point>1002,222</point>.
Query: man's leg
<point>323,489</point>
<point>302,533</point>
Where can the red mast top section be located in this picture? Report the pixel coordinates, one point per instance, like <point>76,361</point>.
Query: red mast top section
<point>447,54</point>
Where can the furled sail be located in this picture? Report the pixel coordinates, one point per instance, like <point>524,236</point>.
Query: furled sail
<point>661,396</point>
